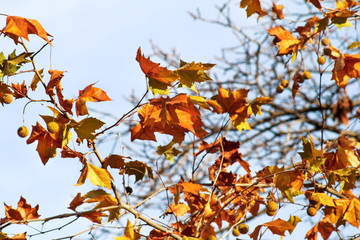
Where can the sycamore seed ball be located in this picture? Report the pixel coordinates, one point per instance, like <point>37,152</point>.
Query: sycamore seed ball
<point>53,127</point>
<point>236,232</point>
<point>7,98</point>
<point>51,152</point>
<point>307,75</point>
<point>314,199</point>
<point>271,206</point>
<point>325,41</point>
<point>284,83</point>
<point>211,237</point>
<point>327,51</point>
<point>279,89</point>
<point>321,60</point>
<point>23,131</point>
<point>311,211</point>
<point>243,228</point>
<point>270,213</point>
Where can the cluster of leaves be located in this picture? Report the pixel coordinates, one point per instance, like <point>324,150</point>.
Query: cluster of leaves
<point>229,198</point>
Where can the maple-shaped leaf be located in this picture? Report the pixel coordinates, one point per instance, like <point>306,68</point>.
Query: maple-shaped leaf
<point>346,67</point>
<point>290,183</point>
<point>189,73</point>
<point>21,27</point>
<point>258,102</point>
<point>114,161</point>
<point>13,63</point>
<point>95,217</point>
<point>169,151</point>
<point>130,233</point>
<point>104,200</point>
<point>278,226</point>
<point>24,211</point>
<point>323,227</point>
<point>85,129</point>
<point>77,201</point>
<point>315,157</point>
<point>139,169</point>
<point>252,6</point>
<point>178,209</point>
<point>20,91</point>
<point>189,187</point>
<point>89,94</point>
<point>278,10</point>
<point>45,140</point>
<point>36,79</point>
<point>160,78</point>
<point>234,103</point>
<point>172,116</point>
<point>98,176</point>
<point>287,42</point>
<point>350,210</point>
<point>200,101</point>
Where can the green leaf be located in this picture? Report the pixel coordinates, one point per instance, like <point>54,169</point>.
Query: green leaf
<point>139,169</point>
<point>169,151</point>
<point>85,129</point>
<point>315,157</point>
<point>20,59</point>
<point>322,24</point>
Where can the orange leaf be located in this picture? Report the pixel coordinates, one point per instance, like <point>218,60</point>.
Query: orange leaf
<point>346,67</point>
<point>20,91</point>
<point>252,6</point>
<point>286,41</point>
<point>24,211</point>
<point>277,9</point>
<point>350,209</point>
<point>178,209</point>
<point>94,216</point>
<point>20,236</point>
<point>77,201</point>
<point>45,141</point>
<point>278,226</point>
<point>20,27</point>
<point>160,78</point>
<point>89,94</point>
<point>193,188</point>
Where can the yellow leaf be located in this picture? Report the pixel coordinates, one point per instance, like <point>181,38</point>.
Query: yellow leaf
<point>178,209</point>
<point>130,234</point>
<point>98,176</point>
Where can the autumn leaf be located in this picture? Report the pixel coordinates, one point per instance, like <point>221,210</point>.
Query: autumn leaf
<point>252,6</point>
<point>45,140</point>
<point>258,102</point>
<point>323,227</point>
<point>278,10</point>
<point>173,116</point>
<point>98,176</point>
<point>316,3</point>
<point>85,129</point>
<point>189,73</point>
<point>315,157</point>
<point>114,161</point>
<point>169,151</point>
<point>20,91</point>
<point>234,103</point>
<point>286,41</point>
<point>350,210</point>
<point>89,94</point>
<point>21,27</point>
<point>278,226</point>
<point>139,169</point>
<point>178,209</point>
<point>104,200</point>
<point>160,78</point>
<point>37,77</point>
<point>130,234</point>
<point>346,67</point>
<point>24,211</point>
<point>94,216</point>
<point>293,220</point>
<point>77,201</point>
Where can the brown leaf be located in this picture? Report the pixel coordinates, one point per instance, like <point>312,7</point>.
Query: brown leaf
<point>341,109</point>
<point>114,161</point>
<point>24,211</point>
<point>252,6</point>
<point>20,91</point>
<point>316,3</point>
<point>77,201</point>
<point>278,226</point>
<point>278,10</point>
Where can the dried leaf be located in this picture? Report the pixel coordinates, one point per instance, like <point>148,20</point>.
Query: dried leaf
<point>286,41</point>
<point>278,226</point>
<point>98,176</point>
<point>85,129</point>
<point>178,209</point>
<point>278,10</point>
<point>252,6</point>
<point>77,201</point>
<point>24,211</point>
<point>20,91</point>
<point>114,161</point>
<point>349,68</point>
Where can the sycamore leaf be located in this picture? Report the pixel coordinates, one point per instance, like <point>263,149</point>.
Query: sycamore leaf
<point>94,216</point>
<point>341,22</point>
<point>354,45</point>
<point>286,41</point>
<point>258,102</point>
<point>325,199</point>
<point>85,129</point>
<point>77,201</point>
<point>252,6</point>
<point>315,157</point>
<point>189,73</point>
<point>130,234</point>
<point>104,200</point>
<point>316,3</point>
<point>200,101</point>
<point>98,176</point>
<point>160,78</point>
<point>89,94</point>
<point>278,226</point>
<point>45,140</point>
<point>278,10</point>
<point>193,188</point>
<point>293,220</point>
<point>55,79</point>
<point>114,161</point>
<point>324,227</point>
<point>178,209</point>
<point>348,68</point>
<point>173,116</point>
<point>24,211</point>
<point>21,27</point>
<point>20,91</point>
<point>139,169</point>
<point>36,79</point>
<point>350,210</point>
<point>169,151</point>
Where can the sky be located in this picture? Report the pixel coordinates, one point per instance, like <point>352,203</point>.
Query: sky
<point>94,42</point>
